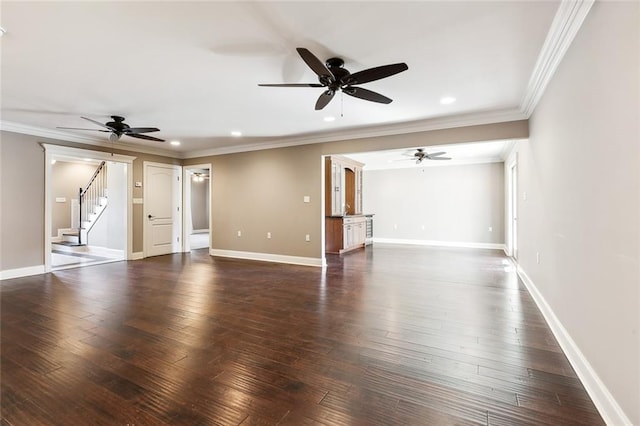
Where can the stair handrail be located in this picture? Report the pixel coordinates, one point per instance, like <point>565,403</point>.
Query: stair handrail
<point>93,191</point>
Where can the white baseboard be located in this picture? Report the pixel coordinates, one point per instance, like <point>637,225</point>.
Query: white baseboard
<point>137,255</point>
<point>268,257</point>
<point>492,246</point>
<point>200,231</point>
<point>8,274</point>
<point>602,398</point>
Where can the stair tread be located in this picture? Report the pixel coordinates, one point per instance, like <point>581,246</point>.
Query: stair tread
<point>68,244</point>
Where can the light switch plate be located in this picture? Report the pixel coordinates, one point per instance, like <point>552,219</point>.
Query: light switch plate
<point>61,199</point>
<point>306,199</point>
<point>138,184</point>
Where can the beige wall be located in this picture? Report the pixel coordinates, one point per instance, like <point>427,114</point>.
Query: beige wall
<point>262,191</point>
<point>66,179</point>
<point>580,172</point>
<point>200,204</point>
<point>21,202</point>
<point>23,246</point>
<point>254,192</point>
<point>445,204</point>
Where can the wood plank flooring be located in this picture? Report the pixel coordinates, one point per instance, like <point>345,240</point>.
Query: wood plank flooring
<point>390,335</point>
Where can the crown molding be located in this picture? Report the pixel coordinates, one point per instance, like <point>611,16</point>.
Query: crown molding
<point>9,126</point>
<point>566,23</point>
<point>464,120</point>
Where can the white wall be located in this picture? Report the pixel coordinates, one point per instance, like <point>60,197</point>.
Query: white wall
<point>110,231</point>
<point>446,204</point>
<point>582,210</point>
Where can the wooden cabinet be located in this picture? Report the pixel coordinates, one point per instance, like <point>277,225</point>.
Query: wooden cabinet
<point>345,233</point>
<point>343,186</point>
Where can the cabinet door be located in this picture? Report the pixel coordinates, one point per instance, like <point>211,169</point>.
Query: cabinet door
<point>358,190</point>
<point>347,236</point>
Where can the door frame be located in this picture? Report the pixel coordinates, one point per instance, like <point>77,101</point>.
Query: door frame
<point>512,207</point>
<point>60,152</point>
<point>186,211</point>
<point>145,212</point>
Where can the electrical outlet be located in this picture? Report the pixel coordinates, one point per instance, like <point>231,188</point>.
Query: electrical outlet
<point>306,199</point>
<point>524,196</point>
<point>491,229</point>
<point>537,257</point>
<point>423,227</point>
<point>395,226</point>
<point>307,237</point>
<point>268,235</point>
<point>239,233</point>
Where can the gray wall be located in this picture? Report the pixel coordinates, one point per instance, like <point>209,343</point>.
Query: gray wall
<point>437,204</point>
<point>66,179</point>
<point>580,171</point>
<point>200,204</point>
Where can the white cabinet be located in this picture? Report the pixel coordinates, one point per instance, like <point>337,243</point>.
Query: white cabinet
<point>354,232</point>
<point>343,186</point>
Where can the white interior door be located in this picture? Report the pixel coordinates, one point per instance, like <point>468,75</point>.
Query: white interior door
<point>162,216</point>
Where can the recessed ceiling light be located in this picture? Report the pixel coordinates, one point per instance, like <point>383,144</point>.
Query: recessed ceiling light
<point>447,100</point>
<point>175,143</point>
<point>328,119</point>
<point>53,161</point>
<point>88,159</point>
<point>236,133</point>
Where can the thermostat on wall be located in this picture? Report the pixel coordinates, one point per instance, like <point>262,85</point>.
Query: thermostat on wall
<point>138,184</point>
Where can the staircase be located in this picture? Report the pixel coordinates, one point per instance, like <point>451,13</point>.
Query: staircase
<point>92,202</point>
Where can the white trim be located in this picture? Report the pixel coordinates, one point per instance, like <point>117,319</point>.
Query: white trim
<point>9,126</point>
<point>411,164</point>
<point>186,204</point>
<point>8,274</point>
<point>60,152</point>
<point>439,123</point>
<point>268,257</point>
<point>475,119</point>
<point>491,246</point>
<point>609,409</point>
<point>566,23</point>
<point>199,231</point>
<point>137,255</point>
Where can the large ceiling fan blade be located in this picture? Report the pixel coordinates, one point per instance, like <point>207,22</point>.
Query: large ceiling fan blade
<point>79,128</point>
<point>324,99</point>
<point>141,130</point>
<point>292,85</point>
<point>98,123</point>
<point>438,158</point>
<point>368,95</point>
<point>435,154</point>
<point>376,73</point>
<point>145,137</point>
<point>314,63</point>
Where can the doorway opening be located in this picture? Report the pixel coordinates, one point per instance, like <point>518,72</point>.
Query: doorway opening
<point>87,207</point>
<point>197,207</point>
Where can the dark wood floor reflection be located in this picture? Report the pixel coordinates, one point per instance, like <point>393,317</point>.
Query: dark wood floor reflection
<point>393,335</point>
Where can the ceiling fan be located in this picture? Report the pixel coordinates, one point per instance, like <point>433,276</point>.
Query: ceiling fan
<point>421,154</point>
<point>335,77</point>
<point>117,128</point>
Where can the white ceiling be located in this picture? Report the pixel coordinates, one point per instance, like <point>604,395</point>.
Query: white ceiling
<point>460,154</point>
<point>192,68</point>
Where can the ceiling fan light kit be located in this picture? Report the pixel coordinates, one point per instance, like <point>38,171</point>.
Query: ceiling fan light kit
<point>334,77</point>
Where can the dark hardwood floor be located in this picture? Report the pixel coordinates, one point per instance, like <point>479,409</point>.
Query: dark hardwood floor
<point>390,335</point>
